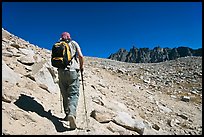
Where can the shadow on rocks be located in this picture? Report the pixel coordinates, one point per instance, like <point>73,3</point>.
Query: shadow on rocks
<point>28,103</point>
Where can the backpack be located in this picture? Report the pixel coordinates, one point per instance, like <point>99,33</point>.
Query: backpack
<point>61,55</point>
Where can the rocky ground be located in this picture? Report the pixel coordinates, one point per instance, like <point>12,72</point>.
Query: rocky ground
<point>121,98</point>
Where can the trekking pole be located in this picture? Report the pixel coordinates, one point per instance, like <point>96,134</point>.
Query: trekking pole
<point>84,101</point>
<point>61,101</point>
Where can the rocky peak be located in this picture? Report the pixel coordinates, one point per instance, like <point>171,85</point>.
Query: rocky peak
<point>157,54</point>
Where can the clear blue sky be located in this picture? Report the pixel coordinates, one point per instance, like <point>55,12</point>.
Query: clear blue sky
<point>102,28</point>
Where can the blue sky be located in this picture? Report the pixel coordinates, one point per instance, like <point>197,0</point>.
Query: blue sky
<point>102,28</point>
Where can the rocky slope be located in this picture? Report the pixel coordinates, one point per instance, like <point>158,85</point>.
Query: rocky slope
<point>121,98</point>
<point>158,54</point>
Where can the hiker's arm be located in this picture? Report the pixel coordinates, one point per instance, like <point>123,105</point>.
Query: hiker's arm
<point>80,55</point>
<point>81,59</point>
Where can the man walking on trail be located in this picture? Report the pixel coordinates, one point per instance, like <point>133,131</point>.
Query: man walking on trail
<point>69,80</point>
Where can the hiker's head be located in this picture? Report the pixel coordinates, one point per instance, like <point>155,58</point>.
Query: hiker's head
<point>65,36</point>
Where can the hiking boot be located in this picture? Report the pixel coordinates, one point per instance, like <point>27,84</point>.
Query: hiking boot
<point>72,122</point>
<point>66,118</point>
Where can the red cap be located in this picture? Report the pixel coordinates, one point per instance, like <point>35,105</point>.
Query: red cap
<point>65,35</point>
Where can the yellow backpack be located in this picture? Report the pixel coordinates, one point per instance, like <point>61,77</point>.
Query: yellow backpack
<point>61,54</point>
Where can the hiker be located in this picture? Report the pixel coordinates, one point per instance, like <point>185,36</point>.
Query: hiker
<point>69,80</point>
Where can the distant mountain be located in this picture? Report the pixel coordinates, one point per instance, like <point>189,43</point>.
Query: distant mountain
<point>158,54</point>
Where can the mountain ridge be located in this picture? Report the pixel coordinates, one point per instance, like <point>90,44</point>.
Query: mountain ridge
<point>157,54</point>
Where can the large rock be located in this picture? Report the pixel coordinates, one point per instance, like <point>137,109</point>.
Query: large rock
<point>43,76</point>
<point>102,114</point>
<point>27,51</point>
<point>125,120</point>
<point>9,75</point>
<point>26,60</point>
